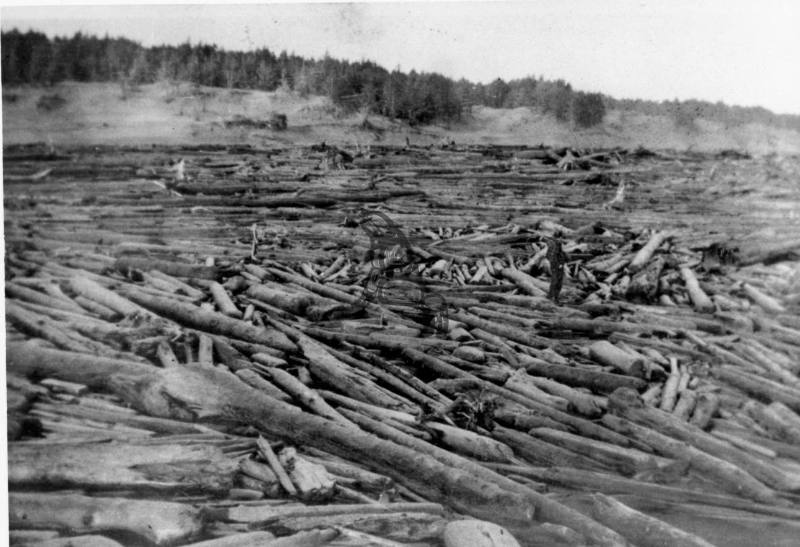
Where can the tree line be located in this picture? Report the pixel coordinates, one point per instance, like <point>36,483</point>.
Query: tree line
<point>416,97</point>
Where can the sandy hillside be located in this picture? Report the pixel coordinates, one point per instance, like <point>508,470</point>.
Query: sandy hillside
<point>165,113</point>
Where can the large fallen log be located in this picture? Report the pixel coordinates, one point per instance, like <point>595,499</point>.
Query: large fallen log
<point>94,291</point>
<point>581,377</point>
<point>646,252</point>
<point>159,522</point>
<point>607,353</point>
<point>164,464</point>
<point>700,299</point>
<point>541,452</point>
<point>641,529</point>
<point>127,264</point>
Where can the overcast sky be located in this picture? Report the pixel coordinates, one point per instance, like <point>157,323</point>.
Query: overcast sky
<point>739,52</point>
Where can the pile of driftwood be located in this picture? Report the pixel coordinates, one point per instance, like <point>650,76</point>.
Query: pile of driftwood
<point>594,384</point>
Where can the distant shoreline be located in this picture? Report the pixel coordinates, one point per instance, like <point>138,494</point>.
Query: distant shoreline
<point>181,113</point>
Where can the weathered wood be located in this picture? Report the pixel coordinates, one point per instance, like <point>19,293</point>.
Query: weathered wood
<point>583,403</point>
<point>205,350</point>
<point>405,421</point>
<point>98,411</point>
<point>312,538</point>
<point>765,301</point>
<point>174,269</point>
<point>94,291</point>
<point>525,385</point>
<point>477,533</point>
<point>613,484</point>
<point>334,372</point>
<point>507,331</point>
<point>705,409</point>
<point>625,460</point>
<point>471,444</point>
<point>159,522</point>
<point>644,283</point>
<point>729,476</point>
<point>670,391</point>
<point>524,281</point>
<point>245,539</point>
<point>254,380</point>
<point>307,397</point>
<point>181,465</point>
<point>646,252</point>
<point>259,471</point>
<point>263,514</point>
<point>99,310</point>
<point>85,540</point>
<point>761,387</point>
<point>42,327</point>
<point>608,354</point>
<point>20,292</point>
<point>180,286</point>
<point>791,418</point>
<point>395,529</point>
<point>582,425</point>
<point>580,377</point>
<point>626,404</point>
<point>500,330</point>
<point>542,452</point>
<point>685,405</point>
<point>527,420</point>
<point>337,295</point>
<point>275,464</point>
<point>311,480</point>
<point>31,536</point>
<point>546,512</point>
<point>213,322</point>
<point>223,300</point>
<point>700,299</point>
<point>377,340</point>
<point>641,529</point>
<point>397,380</point>
<point>283,297</point>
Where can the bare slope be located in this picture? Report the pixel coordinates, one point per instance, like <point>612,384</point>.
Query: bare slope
<point>180,113</point>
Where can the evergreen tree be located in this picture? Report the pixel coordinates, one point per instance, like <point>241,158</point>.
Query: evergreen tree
<point>496,93</point>
<point>588,109</point>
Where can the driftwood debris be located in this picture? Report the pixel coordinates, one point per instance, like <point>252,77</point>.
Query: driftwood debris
<point>641,529</point>
<point>162,523</point>
<point>205,368</point>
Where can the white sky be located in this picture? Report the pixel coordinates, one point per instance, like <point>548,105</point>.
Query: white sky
<point>740,52</point>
